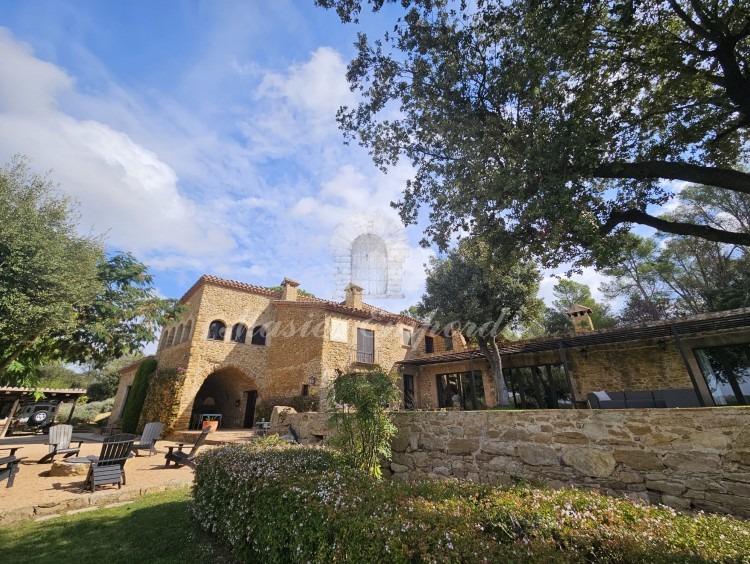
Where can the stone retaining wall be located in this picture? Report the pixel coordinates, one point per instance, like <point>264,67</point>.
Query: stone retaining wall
<point>684,458</point>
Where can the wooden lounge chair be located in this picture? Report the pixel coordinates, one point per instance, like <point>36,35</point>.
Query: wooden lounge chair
<point>151,434</point>
<point>9,466</point>
<point>181,458</point>
<point>59,443</point>
<point>109,466</point>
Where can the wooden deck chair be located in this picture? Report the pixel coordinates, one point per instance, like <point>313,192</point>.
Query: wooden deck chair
<point>59,443</point>
<point>109,466</point>
<point>151,434</point>
<point>9,466</point>
<point>181,458</point>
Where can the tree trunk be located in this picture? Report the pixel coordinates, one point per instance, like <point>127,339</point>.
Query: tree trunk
<point>491,352</point>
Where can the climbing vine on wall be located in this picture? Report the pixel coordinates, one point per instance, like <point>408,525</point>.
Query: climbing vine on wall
<point>163,398</point>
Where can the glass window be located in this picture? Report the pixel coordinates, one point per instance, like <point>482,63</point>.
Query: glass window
<point>215,331</point>
<point>259,336</point>
<point>539,387</point>
<point>409,391</point>
<point>365,346</point>
<point>727,373</point>
<point>463,390</point>
<point>429,344</point>
<point>239,333</point>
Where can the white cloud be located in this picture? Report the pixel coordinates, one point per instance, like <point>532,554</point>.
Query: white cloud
<point>123,188</point>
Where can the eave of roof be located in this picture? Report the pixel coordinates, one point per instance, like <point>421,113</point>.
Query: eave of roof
<point>683,326</point>
<point>305,301</point>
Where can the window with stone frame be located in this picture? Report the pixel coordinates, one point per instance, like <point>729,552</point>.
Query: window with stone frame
<point>216,330</point>
<point>239,333</point>
<point>407,337</point>
<point>259,336</point>
<point>429,344</point>
<point>365,346</point>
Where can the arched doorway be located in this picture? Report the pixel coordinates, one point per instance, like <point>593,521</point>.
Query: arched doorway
<point>228,392</point>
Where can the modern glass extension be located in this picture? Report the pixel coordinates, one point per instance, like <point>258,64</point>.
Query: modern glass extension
<point>727,373</point>
<point>539,387</point>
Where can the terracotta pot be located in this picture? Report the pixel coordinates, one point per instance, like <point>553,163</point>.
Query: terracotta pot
<point>213,425</point>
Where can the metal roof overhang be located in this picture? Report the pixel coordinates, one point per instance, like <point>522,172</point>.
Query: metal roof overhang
<point>683,327</point>
<point>13,393</point>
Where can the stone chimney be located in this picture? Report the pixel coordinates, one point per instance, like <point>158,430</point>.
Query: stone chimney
<point>289,290</point>
<point>353,296</point>
<point>580,317</point>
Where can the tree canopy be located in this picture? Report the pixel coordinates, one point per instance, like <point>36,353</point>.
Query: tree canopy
<point>61,296</point>
<point>553,125</point>
<point>479,294</point>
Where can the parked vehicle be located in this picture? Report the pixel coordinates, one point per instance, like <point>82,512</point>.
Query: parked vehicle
<point>35,416</point>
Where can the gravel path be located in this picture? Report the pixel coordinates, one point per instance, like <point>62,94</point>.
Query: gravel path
<point>35,493</point>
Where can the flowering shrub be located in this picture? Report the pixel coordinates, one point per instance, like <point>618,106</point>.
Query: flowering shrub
<point>300,504</point>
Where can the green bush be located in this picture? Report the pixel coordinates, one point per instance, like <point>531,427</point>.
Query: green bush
<point>137,396</point>
<point>361,421</point>
<point>84,413</point>
<point>301,504</point>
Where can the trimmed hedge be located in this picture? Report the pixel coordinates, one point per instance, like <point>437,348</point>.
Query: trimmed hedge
<point>301,504</point>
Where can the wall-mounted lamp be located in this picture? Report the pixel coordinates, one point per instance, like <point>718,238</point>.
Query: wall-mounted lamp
<point>312,380</point>
<point>662,344</point>
<point>236,403</point>
<point>584,352</point>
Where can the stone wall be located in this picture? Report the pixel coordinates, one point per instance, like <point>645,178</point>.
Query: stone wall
<point>684,458</point>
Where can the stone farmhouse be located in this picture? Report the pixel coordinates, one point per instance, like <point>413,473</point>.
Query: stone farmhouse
<point>239,345</point>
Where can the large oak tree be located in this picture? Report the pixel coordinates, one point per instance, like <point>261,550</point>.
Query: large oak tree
<point>554,124</point>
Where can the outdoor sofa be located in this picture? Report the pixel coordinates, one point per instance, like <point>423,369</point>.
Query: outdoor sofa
<point>679,397</point>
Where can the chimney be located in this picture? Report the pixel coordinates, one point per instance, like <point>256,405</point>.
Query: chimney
<point>289,290</point>
<point>580,316</point>
<point>353,296</point>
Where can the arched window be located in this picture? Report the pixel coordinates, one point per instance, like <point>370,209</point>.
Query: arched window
<point>170,337</point>
<point>216,330</point>
<point>370,264</point>
<point>259,336</point>
<point>178,336</point>
<point>162,340</point>
<point>188,328</point>
<point>239,332</point>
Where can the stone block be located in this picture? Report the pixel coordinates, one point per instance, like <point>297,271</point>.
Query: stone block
<point>571,437</point>
<point>537,455</point>
<point>709,440</point>
<point>497,447</point>
<point>65,468</point>
<point>638,459</point>
<point>398,468</point>
<point>737,488</point>
<point>462,446</point>
<point>740,455</point>
<point>676,502</point>
<point>281,415</point>
<point>630,477</point>
<point>590,461</point>
<point>693,462</point>
<point>672,488</point>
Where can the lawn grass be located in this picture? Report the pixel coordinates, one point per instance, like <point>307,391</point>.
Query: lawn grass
<point>155,528</point>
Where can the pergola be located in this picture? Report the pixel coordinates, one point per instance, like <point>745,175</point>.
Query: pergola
<point>15,395</point>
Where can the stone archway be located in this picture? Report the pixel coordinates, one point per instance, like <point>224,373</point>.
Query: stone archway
<point>227,391</point>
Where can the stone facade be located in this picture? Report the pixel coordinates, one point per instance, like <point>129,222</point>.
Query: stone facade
<point>308,341</point>
<point>683,458</point>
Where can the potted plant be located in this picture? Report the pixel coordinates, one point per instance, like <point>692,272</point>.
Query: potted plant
<point>212,422</point>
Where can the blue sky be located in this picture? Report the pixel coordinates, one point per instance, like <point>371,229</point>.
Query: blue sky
<point>199,135</point>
